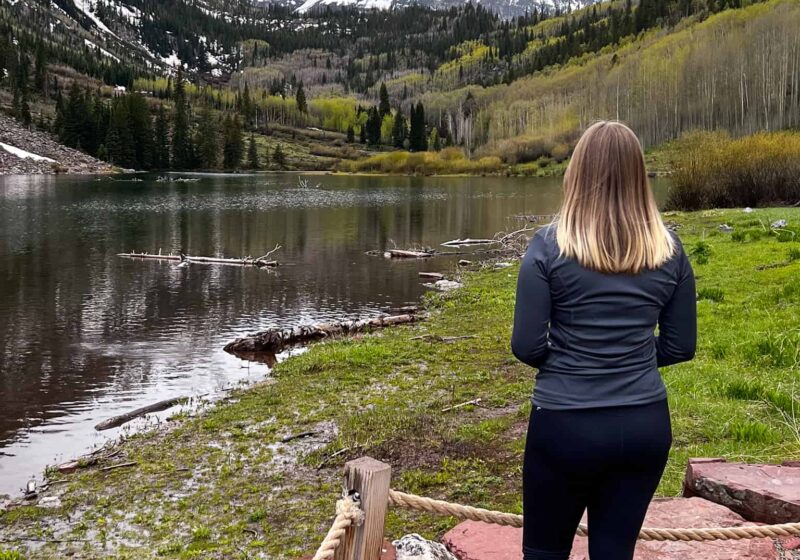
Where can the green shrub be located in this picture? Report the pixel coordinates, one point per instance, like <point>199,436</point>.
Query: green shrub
<point>713,170</point>
<point>701,251</point>
<point>794,254</point>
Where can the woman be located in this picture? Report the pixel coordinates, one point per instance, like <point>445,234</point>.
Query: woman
<point>592,289</point>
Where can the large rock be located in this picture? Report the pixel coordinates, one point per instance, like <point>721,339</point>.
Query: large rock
<point>480,541</point>
<point>763,493</point>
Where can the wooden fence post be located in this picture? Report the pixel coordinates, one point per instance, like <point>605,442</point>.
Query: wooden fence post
<point>371,479</point>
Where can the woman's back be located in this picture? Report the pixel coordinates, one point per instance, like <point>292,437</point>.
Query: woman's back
<point>593,288</point>
<point>597,347</point>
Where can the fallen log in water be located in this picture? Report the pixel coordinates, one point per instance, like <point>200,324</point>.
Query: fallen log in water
<point>404,254</point>
<point>246,261</point>
<point>468,241</point>
<point>273,340</point>
<point>121,419</point>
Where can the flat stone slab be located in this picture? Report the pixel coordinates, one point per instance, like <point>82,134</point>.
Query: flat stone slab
<point>473,540</point>
<point>763,493</point>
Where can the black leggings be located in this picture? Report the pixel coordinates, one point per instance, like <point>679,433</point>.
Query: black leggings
<point>604,460</point>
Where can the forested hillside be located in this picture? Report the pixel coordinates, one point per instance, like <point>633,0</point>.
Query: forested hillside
<point>213,78</point>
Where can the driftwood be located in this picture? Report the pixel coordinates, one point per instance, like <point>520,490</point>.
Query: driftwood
<point>402,254</point>
<point>301,435</point>
<point>119,466</point>
<point>467,242</point>
<point>475,402</point>
<point>259,262</point>
<point>273,340</point>
<point>115,421</point>
<point>432,275</point>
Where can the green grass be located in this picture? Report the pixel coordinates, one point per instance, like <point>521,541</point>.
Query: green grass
<point>246,493</point>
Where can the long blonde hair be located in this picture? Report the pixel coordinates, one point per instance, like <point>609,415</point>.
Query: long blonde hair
<point>609,221</point>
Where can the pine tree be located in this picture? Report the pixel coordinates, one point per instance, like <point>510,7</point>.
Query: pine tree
<point>247,106</point>
<point>362,133</point>
<point>383,105</point>
<point>20,104</point>
<point>233,144</point>
<point>278,157</point>
<point>399,129</point>
<point>374,127</point>
<point>207,142</point>
<point>418,138</point>
<point>119,143</point>
<point>182,150</point>
<point>161,140</point>
<point>141,130</point>
<point>351,134</point>
<point>40,69</point>
<point>252,154</point>
<point>302,106</point>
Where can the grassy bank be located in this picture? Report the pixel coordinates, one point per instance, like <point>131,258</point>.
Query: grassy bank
<point>224,485</point>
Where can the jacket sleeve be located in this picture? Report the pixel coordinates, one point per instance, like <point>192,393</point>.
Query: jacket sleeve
<point>677,324</point>
<point>532,309</point>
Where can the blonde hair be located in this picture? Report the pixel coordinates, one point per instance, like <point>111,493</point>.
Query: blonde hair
<point>609,221</point>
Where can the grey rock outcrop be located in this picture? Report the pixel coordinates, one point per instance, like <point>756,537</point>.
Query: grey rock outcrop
<point>66,160</point>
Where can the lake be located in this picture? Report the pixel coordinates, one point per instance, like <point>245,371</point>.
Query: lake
<point>86,334</point>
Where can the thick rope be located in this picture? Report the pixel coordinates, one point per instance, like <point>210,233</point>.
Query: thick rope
<point>411,501</point>
<point>347,513</point>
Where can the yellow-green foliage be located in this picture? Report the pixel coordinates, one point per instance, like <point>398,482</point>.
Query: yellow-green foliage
<point>450,161</point>
<point>712,170</point>
<point>723,72</point>
<point>336,113</point>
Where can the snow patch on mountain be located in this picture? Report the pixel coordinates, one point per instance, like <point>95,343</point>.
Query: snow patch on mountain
<point>22,154</point>
<point>363,4</point>
<point>86,7</point>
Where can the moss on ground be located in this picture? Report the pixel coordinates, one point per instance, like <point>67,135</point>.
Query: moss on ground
<point>223,485</point>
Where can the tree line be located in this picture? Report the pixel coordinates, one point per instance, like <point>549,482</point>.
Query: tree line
<point>135,132</point>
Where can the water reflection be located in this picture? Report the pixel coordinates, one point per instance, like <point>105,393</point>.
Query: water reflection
<point>85,334</point>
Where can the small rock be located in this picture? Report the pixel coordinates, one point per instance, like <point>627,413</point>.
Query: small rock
<point>414,547</point>
<point>446,285</point>
<point>432,275</point>
<point>503,265</point>
<point>747,210</point>
<point>725,228</point>
<point>50,502</point>
<point>464,262</point>
<point>778,224</point>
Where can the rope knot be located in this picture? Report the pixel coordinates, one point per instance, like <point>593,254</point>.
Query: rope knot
<point>348,507</point>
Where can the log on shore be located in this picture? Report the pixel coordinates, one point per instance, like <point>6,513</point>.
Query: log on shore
<point>247,261</point>
<point>274,340</point>
<point>121,419</point>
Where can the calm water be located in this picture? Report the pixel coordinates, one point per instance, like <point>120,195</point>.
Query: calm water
<point>85,334</point>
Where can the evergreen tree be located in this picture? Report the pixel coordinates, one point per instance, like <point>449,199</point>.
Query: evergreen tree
<point>418,138</point>
<point>383,105</point>
<point>247,106</point>
<point>40,69</point>
<point>351,134</point>
<point>374,127</point>
<point>278,157</point>
<point>161,140</point>
<point>141,130</point>
<point>206,140</point>
<point>233,143</point>
<point>119,142</point>
<point>252,154</point>
<point>399,129</point>
<point>182,150</point>
<point>362,134</point>
<point>302,106</point>
<point>20,104</point>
